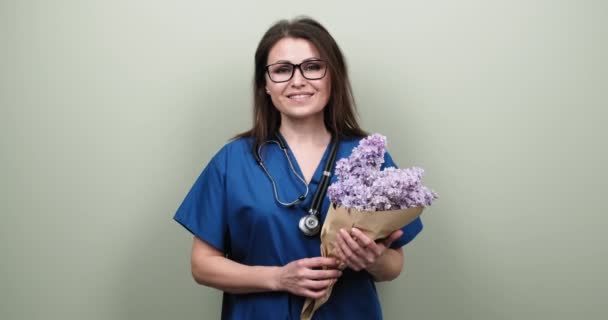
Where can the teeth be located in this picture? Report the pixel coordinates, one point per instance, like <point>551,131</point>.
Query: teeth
<point>300,96</point>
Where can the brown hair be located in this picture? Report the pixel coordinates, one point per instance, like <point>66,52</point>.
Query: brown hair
<point>339,113</point>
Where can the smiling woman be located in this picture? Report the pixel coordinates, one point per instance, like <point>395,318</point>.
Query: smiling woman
<point>251,239</point>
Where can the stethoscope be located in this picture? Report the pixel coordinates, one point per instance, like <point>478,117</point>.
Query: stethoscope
<point>309,224</point>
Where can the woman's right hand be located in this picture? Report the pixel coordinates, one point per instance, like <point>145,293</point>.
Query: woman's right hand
<point>307,278</point>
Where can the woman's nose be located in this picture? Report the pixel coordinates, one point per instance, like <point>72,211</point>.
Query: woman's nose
<point>298,79</point>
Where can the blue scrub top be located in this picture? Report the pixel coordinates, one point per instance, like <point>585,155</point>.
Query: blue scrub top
<point>231,206</point>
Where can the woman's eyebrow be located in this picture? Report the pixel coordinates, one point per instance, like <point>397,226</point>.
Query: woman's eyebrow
<point>305,60</point>
<point>311,59</point>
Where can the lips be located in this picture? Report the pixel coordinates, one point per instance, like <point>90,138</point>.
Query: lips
<point>300,95</point>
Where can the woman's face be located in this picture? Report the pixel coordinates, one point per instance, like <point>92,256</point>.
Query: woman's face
<point>298,98</point>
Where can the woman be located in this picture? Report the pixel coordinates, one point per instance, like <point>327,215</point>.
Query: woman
<point>246,208</point>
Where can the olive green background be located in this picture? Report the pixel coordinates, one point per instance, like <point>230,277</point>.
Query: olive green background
<point>110,110</point>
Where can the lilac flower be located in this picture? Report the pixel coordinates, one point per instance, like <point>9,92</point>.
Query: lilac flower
<point>363,186</point>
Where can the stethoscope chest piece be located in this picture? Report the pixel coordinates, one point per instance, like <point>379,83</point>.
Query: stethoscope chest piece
<point>309,225</point>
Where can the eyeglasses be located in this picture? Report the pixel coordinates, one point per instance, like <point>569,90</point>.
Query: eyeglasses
<point>283,71</point>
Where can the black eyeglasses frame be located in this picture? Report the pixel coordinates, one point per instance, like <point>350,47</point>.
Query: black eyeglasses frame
<point>293,70</point>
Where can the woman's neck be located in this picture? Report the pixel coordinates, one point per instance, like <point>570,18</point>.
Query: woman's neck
<point>311,132</point>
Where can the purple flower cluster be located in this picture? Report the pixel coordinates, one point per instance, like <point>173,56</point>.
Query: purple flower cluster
<point>363,186</point>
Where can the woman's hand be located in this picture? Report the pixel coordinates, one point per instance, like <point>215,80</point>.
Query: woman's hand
<point>358,251</point>
<point>305,277</point>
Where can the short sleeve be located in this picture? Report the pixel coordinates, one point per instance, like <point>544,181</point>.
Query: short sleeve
<point>203,211</point>
<point>411,230</point>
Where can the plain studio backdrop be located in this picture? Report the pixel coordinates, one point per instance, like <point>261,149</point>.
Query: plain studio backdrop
<point>111,109</point>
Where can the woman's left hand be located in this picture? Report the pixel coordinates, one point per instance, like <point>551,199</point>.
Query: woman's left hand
<point>358,251</point>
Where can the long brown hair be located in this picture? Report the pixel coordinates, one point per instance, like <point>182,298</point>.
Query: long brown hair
<point>340,112</point>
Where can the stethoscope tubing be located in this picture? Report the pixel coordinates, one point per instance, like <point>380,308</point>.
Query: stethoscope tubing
<point>309,224</point>
<point>318,197</point>
<point>274,185</point>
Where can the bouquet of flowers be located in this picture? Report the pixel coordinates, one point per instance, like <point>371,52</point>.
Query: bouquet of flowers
<point>375,201</point>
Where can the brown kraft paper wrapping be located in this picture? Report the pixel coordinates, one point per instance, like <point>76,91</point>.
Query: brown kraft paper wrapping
<point>375,225</point>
